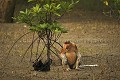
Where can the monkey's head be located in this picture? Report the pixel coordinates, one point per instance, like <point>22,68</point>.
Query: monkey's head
<point>67,42</point>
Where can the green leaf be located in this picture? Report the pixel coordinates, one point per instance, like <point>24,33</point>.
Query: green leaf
<point>30,0</point>
<point>36,9</point>
<point>57,14</point>
<point>77,1</point>
<point>40,17</point>
<point>106,3</point>
<point>58,6</point>
<point>22,12</point>
<point>44,25</point>
<point>46,7</point>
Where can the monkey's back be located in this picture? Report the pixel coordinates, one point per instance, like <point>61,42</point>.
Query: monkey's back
<point>71,57</point>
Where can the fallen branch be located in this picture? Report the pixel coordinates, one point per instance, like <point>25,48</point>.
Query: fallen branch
<point>93,65</point>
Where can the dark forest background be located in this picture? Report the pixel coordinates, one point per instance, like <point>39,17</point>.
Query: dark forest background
<point>11,8</point>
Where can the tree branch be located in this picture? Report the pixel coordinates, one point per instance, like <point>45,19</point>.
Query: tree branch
<point>16,42</point>
<point>28,48</point>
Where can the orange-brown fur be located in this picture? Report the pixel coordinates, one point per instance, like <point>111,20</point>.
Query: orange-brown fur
<point>71,52</point>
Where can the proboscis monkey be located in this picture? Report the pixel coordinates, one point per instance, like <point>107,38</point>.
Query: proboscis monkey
<point>70,56</point>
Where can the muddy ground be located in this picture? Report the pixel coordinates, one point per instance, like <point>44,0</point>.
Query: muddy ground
<point>97,38</point>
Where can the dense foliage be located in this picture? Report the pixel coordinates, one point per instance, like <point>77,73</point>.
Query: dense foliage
<point>113,8</point>
<point>45,13</point>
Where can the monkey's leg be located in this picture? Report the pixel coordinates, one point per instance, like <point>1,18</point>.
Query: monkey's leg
<point>65,67</point>
<point>78,61</point>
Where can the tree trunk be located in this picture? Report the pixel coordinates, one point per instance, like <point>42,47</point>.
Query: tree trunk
<point>48,47</point>
<point>7,10</point>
